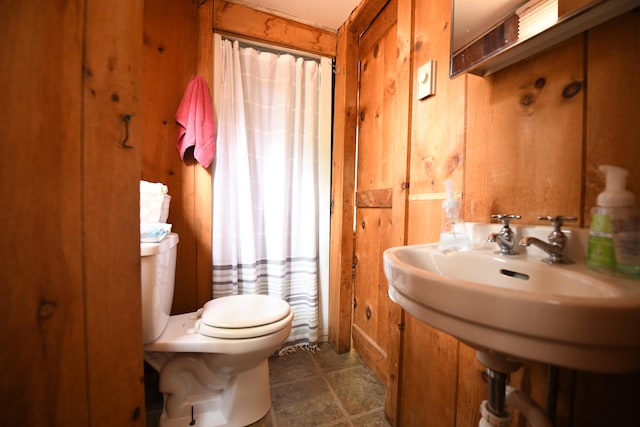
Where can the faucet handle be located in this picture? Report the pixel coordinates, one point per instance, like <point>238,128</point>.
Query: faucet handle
<point>505,218</point>
<point>558,220</point>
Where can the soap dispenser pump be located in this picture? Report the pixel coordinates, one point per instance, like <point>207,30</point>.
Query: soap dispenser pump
<point>614,235</point>
<point>453,233</point>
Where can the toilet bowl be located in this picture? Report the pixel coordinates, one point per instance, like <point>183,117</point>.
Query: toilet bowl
<point>213,363</point>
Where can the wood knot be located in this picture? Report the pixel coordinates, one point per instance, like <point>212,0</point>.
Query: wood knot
<point>539,84</point>
<point>46,309</point>
<point>571,90</point>
<point>136,413</point>
<point>527,99</point>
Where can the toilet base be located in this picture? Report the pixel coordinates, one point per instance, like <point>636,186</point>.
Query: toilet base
<point>244,402</point>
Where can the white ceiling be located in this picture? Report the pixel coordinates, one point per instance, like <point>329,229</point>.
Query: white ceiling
<point>326,14</point>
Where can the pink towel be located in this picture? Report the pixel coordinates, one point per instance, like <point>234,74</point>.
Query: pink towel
<point>196,124</point>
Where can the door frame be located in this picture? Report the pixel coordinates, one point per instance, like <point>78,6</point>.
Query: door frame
<point>344,174</point>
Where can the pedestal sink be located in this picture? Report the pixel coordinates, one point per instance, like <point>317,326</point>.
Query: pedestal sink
<point>519,308</point>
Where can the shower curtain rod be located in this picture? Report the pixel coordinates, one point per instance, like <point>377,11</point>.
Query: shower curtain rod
<point>278,50</point>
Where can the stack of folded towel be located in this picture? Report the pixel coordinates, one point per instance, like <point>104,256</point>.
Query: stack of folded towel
<point>154,211</point>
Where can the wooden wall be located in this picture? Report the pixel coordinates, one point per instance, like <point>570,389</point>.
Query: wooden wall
<point>177,47</point>
<point>484,133</point>
<point>515,142</point>
<point>69,254</point>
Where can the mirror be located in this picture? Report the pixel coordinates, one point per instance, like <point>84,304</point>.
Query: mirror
<point>490,35</point>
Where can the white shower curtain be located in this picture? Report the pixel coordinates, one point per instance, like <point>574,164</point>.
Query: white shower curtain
<point>265,183</point>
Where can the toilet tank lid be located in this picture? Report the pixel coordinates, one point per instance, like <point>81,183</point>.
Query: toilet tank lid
<point>169,241</point>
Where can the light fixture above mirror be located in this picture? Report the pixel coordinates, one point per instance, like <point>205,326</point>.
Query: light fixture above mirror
<point>488,36</point>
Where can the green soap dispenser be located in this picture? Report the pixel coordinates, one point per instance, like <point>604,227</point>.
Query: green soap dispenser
<point>614,235</point>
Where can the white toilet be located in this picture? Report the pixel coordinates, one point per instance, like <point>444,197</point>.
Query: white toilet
<point>213,363</point>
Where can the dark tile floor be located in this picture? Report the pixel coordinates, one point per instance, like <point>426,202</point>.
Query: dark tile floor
<point>315,389</point>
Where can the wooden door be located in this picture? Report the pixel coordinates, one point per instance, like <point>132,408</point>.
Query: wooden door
<point>380,197</point>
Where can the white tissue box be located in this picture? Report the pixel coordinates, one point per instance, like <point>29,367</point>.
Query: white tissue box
<point>154,207</point>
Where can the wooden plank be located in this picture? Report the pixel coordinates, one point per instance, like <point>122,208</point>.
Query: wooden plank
<point>170,61</point>
<point>44,380</point>
<point>370,314</point>
<point>385,19</point>
<point>342,200</point>
<point>363,15</point>
<point>429,376</point>
<point>612,131</point>
<point>384,111</point>
<point>110,215</point>
<point>612,136</point>
<point>520,154</point>
<point>240,20</point>
<point>202,177</point>
<point>438,138</point>
<point>374,198</point>
<point>377,53</point>
<point>401,129</point>
<point>606,399</point>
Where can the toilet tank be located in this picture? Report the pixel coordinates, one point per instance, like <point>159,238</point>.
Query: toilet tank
<point>158,272</point>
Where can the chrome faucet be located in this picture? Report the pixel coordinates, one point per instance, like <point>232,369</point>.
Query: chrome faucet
<point>556,247</point>
<point>505,238</point>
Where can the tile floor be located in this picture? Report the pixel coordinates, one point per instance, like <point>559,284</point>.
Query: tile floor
<point>314,389</point>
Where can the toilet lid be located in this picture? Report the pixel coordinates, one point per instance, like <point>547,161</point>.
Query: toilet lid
<point>244,316</point>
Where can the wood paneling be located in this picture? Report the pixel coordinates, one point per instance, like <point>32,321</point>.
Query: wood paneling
<point>70,269</point>
<point>41,274</point>
<point>171,37</point>
<point>612,115</point>
<point>342,191</point>
<point>202,177</point>
<point>508,116</point>
<point>429,373</point>
<point>111,171</point>
<point>533,135</point>
<point>376,158</point>
<point>526,140</point>
<point>237,19</point>
<point>612,135</point>
<point>437,140</point>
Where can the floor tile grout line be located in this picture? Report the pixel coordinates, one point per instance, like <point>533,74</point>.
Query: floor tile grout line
<point>337,400</point>
<point>333,393</point>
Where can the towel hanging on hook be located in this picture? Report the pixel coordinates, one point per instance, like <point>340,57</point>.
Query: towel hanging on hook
<point>196,123</point>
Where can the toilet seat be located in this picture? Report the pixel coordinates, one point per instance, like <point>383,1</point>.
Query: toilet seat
<point>243,316</point>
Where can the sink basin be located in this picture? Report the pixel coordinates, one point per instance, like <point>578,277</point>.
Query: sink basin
<point>521,307</point>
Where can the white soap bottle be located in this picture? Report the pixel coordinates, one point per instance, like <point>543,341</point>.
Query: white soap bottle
<point>453,232</point>
<point>614,235</point>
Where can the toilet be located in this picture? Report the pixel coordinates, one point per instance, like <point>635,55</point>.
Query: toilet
<point>213,363</point>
